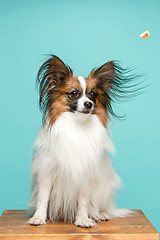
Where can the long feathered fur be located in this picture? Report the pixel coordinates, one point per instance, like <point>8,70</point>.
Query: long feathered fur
<point>72,164</point>
<point>50,78</point>
<point>116,84</point>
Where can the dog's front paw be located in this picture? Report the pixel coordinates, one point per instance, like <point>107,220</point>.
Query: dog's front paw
<point>37,220</point>
<point>104,216</point>
<point>85,222</point>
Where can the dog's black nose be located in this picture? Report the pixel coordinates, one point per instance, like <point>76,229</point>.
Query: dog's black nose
<point>88,105</point>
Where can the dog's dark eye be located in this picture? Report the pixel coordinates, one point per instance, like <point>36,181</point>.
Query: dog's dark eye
<point>74,94</point>
<point>93,93</point>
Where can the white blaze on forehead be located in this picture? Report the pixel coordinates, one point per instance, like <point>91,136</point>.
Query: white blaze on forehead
<point>83,98</point>
<point>82,83</point>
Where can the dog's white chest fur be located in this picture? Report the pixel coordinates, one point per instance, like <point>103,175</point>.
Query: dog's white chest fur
<point>70,163</point>
<point>76,143</point>
<point>79,143</point>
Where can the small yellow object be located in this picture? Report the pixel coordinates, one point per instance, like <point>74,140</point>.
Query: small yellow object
<point>145,35</point>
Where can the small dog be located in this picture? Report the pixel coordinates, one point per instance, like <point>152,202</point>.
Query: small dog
<point>73,177</point>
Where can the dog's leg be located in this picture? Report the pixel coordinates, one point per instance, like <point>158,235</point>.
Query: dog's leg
<point>39,217</point>
<point>82,219</point>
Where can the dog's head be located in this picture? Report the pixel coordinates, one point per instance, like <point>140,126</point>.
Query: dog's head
<point>61,91</point>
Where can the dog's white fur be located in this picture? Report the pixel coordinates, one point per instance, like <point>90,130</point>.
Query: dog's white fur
<point>73,176</point>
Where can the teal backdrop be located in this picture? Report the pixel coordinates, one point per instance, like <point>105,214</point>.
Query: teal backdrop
<point>85,34</point>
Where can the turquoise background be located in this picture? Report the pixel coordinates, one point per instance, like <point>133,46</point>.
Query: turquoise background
<point>85,34</point>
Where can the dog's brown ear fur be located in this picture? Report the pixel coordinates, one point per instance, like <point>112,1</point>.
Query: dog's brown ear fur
<point>114,83</point>
<point>58,70</point>
<point>104,75</point>
<point>51,77</point>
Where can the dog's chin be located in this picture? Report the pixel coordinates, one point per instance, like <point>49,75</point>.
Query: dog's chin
<point>82,116</point>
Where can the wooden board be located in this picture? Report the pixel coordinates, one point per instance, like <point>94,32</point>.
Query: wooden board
<point>14,226</point>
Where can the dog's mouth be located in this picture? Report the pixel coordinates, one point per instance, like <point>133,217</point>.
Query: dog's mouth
<point>85,112</point>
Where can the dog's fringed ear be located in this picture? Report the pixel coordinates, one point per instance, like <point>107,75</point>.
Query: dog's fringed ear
<point>53,71</point>
<point>52,74</point>
<point>114,83</point>
<point>104,75</point>
<point>58,70</point>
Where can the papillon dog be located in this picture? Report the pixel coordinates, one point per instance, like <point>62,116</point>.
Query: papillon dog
<point>73,177</point>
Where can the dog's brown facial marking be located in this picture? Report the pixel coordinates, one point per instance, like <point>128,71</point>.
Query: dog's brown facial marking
<point>65,100</point>
<point>95,94</point>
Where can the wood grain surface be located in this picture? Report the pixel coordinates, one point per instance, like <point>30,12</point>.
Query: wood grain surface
<point>14,226</point>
